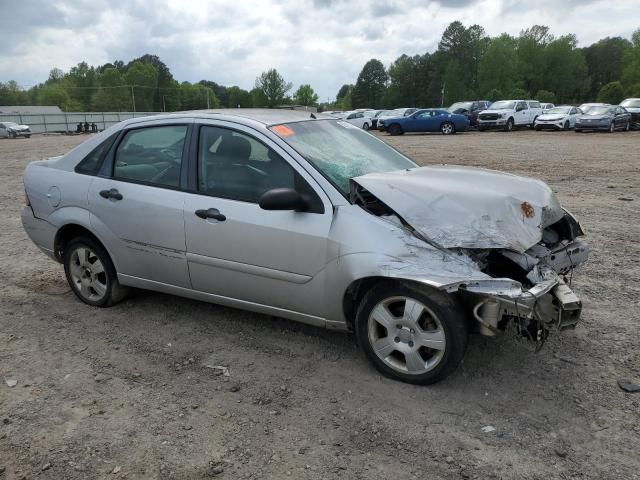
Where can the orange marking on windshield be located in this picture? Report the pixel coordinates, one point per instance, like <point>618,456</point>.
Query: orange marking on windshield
<point>282,130</point>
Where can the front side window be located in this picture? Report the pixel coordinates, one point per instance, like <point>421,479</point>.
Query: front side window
<point>237,166</point>
<point>340,150</point>
<point>151,155</point>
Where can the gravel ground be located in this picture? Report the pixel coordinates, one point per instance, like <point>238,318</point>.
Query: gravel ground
<point>126,391</point>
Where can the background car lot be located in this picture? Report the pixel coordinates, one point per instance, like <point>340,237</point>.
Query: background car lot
<point>128,389</point>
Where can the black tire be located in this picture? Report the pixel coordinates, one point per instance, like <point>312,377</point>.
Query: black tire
<point>27,136</point>
<point>627,127</point>
<point>447,128</point>
<point>13,135</point>
<point>508,127</point>
<point>113,291</point>
<point>538,129</point>
<point>481,129</point>
<point>365,126</point>
<point>533,124</point>
<point>452,323</point>
<point>578,130</point>
<point>566,125</point>
<point>612,127</point>
<point>395,129</point>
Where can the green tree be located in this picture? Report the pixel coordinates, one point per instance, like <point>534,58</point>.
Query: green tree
<point>531,46</point>
<point>54,95</point>
<point>565,70</point>
<point>305,95</point>
<point>370,87</point>
<point>545,96</point>
<point>498,71</point>
<point>12,94</point>
<point>112,94</point>
<point>196,97</point>
<point>454,84</point>
<point>404,86</point>
<point>605,61</point>
<point>237,97</point>
<point>80,83</point>
<point>611,93</point>
<point>258,98</point>
<point>631,72</point>
<point>143,77</point>
<point>273,86</point>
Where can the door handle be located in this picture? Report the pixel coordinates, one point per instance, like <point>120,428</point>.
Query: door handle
<point>211,213</point>
<point>113,194</point>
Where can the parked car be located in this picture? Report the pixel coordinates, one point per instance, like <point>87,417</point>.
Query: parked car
<point>608,118</point>
<point>546,106</point>
<point>13,130</point>
<point>558,118</point>
<point>507,114</point>
<point>311,219</point>
<point>357,118</point>
<point>632,105</point>
<point>585,107</point>
<point>427,120</point>
<point>374,119</point>
<point>470,109</point>
<point>398,112</point>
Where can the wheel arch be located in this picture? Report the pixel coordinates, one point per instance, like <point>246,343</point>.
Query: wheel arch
<point>357,290</point>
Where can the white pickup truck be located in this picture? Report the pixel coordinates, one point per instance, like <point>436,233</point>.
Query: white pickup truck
<point>507,114</point>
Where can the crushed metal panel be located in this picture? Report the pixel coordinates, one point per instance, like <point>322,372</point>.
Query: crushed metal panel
<point>466,207</point>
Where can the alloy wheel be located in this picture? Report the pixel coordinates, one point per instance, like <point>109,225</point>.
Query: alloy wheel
<point>446,128</point>
<point>88,274</point>
<point>406,335</point>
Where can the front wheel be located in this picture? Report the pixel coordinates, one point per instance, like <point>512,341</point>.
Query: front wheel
<point>365,126</point>
<point>566,125</point>
<point>91,274</point>
<point>612,127</point>
<point>447,128</point>
<point>509,125</point>
<point>627,127</point>
<point>411,334</point>
<point>395,129</point>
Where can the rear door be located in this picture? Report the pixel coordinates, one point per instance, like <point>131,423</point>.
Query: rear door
<point>274,258</point>
<point>137,204</point>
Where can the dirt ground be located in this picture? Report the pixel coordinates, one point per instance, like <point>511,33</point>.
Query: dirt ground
<point>125,392</point>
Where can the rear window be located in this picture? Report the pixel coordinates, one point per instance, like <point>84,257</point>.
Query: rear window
<point>90,165</point>
<point>633,103</point>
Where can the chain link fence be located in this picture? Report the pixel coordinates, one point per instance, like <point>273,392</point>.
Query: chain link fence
<point>68,122</point>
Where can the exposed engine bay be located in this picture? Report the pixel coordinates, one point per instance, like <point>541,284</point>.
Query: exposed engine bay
<point>530,287</point>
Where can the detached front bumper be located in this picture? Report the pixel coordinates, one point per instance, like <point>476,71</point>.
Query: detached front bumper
<point>550,304</point>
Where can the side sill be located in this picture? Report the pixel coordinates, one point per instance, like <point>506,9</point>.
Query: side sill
<point>137,282</point>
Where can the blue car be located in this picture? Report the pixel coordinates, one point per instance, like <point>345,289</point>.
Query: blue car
<point>427,120</point>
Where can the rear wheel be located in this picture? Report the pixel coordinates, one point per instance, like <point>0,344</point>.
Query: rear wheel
<point>365,126</point>
<point>447,128</point>
<point>395,129</point>
<point>612,127</point>
<point>91,274</point>
<point>627,127</point>
<point>411,334</point>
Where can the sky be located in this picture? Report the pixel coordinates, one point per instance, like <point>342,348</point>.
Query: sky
<point>321,42</point>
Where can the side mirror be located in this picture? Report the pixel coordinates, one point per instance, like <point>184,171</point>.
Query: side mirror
<point>283,199</point>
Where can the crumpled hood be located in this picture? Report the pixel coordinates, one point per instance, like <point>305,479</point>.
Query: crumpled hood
<point>468,207</point>
<point>18,127</point>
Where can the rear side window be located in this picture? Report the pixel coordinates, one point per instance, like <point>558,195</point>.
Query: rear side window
<point>151,155</point>
<point>91,164</point>
<point>536,105</point>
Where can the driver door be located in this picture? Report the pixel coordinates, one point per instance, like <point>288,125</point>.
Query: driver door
<point>420,122</point>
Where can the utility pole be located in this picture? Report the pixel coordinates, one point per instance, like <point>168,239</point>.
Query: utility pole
<point>133,99</point>
<point>164,108</point>
<point>207,90</point>
<point>442,101</point>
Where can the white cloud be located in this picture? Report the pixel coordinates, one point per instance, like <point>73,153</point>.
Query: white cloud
<point>321,42</point>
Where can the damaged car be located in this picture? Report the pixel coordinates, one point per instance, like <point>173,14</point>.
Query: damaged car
<point>309,218</point>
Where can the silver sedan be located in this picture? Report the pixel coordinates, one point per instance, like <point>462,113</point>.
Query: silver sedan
<point>311,219</point>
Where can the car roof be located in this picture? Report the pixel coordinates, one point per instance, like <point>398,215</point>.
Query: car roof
<point>266,116</point>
